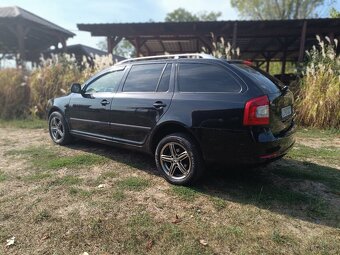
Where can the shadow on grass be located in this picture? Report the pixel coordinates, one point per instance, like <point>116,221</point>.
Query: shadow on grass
<point>299,189</point>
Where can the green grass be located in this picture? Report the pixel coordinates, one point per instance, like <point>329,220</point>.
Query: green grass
<point>67,180</point>
<point>279,238</point>
<point>185,193</point>
<point>75,161</point>
<point>43,215</point>
<point>304,152</point>
<point>313,172</point>
<point>24,123</point>
<point>3,176</point>
<point>144,235</point>
<point>118,195</point>
<point>218,203</point>
<point>133,184</point>
<point>317,133</point>
<point>35,177</point>
<point>79,192</point>
<point>108,175</point>
<point>46,158</point>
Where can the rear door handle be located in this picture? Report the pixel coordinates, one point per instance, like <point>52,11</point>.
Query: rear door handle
<point>159,105</point>
<point>104,102</point>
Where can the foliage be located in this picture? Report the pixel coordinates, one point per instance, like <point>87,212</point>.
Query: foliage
<point>182,15</point>
<point>277,9</point>
<point>318,104</point>
<point>14,93</point>
<point>334,13</point>
<point>124,48</point>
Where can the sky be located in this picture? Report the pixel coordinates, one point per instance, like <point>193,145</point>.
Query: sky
<point>68,13</point>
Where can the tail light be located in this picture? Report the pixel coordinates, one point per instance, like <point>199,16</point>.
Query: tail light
<point>256,111</point>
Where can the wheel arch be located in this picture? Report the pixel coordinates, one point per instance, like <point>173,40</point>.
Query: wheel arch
<point>54,109</point>
<point>57,109</point>
<point>168,128</point>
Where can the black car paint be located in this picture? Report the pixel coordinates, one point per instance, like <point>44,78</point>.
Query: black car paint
<point>215,120</point>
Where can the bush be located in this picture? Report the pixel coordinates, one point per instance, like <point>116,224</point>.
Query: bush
<point>14,94</point>
<point>318,103</point>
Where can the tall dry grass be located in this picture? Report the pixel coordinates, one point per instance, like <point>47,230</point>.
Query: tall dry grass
<point>14,94</point>
<point>55,75</point>
<point>318,103</point>
<point>52,79</point>
<point>222,49</point>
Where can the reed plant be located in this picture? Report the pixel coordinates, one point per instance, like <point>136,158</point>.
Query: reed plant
<point>318,101</point>
<point>14,93</point>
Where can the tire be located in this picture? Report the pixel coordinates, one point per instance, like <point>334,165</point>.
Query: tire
<point>181,162</point>
<point>58,129</point>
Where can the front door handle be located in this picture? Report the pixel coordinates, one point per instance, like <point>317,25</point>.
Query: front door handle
<point>159,105</point>
<point>104,102</point>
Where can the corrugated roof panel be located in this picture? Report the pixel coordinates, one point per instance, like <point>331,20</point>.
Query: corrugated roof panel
<point>189,45</point>
<point>154,45</point>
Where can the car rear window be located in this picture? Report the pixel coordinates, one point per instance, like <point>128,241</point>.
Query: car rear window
<point>206,78</point>
<point>264,80</point>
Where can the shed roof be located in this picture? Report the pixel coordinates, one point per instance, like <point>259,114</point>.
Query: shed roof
<point>15,12</point>
<point>28,34</point>
<point>256,39</point>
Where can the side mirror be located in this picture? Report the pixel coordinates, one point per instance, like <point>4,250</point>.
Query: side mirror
<point>76,88</point>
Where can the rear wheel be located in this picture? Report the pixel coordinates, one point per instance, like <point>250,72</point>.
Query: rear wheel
<point>178,159</point>
<point>58,128</point>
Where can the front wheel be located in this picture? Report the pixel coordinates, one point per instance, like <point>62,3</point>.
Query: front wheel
<point>58,128</point>
<point>179,159</point>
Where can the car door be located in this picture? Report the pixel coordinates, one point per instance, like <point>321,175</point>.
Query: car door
<point>88,112</point>
<point>142,100</point>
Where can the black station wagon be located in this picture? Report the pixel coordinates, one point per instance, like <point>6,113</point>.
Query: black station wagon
<point>187,110</point>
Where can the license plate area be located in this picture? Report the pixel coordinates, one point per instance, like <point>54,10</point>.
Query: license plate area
<point>286,112</point>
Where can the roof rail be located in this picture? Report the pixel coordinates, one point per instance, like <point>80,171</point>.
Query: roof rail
<point>170,56</point>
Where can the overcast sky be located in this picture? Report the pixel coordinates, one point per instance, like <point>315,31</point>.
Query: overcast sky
<point>68,13</point>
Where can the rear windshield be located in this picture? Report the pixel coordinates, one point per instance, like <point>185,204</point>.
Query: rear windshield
<point>265,81</point>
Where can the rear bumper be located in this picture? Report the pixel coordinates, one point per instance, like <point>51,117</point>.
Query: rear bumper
<point>248,147</point>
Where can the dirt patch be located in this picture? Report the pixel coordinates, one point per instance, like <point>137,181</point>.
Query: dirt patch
<point>319,142</point>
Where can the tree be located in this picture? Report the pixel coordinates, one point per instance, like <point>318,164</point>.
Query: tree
<point>124,48</point>
<point>277,9</point>
<point>334,13</point>
<point>182,15</point>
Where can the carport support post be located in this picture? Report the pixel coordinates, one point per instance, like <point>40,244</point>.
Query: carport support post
<point>233,45</point>
<point>302,41</point>
<point>267,65</point>
<point>21,43</point>
<point>63,44</point>
<point>284,60</point>
<point>137,47</point>
<point>109,45</point>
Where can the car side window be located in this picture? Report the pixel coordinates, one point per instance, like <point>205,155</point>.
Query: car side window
<point>143,78</point>
<point>200,77</point>
<point>163,85</point>
<point>105,83</point>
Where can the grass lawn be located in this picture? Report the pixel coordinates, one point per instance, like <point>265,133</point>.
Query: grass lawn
<point>93,198</point>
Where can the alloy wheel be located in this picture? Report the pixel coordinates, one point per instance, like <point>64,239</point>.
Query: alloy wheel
<point>175,160</point>
<point>57,129</point>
